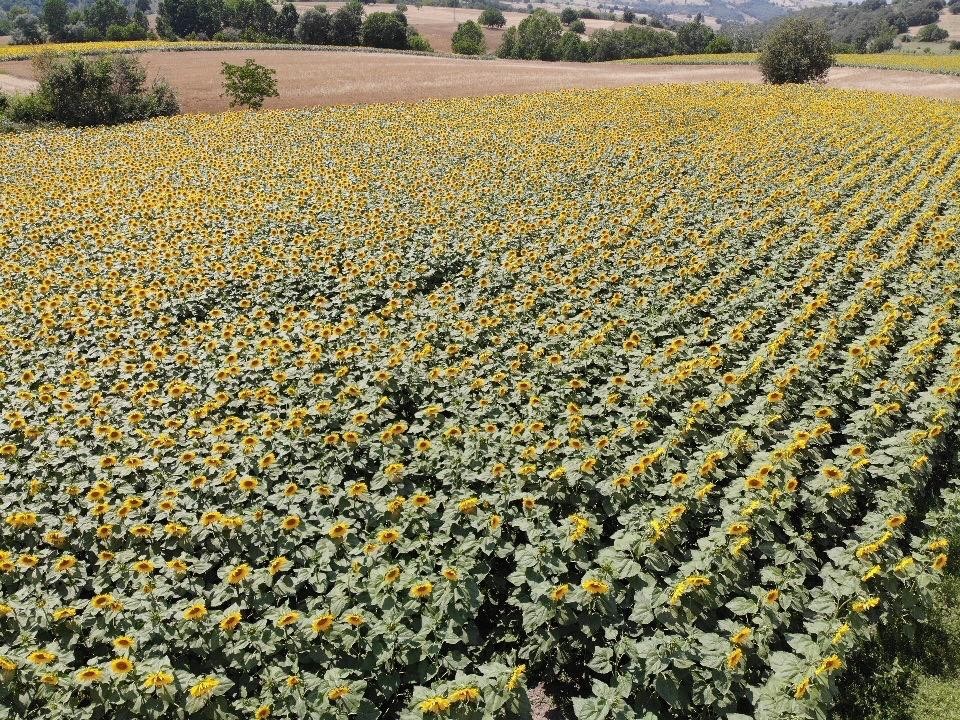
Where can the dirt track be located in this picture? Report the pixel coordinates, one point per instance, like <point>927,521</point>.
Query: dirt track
<point>330,78</point>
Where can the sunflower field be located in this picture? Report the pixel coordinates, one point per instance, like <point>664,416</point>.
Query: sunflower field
<point>397,411</point>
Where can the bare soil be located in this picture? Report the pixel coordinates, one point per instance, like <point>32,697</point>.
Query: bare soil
<point>310,78</point>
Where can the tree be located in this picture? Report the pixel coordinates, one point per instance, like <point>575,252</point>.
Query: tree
<point>492,17</point>
<point>629,15</point>
<point>568,15</point>
<point>190,17</point>
<point>693,38</point>
<point>55,16</point>
<point>314,27</point>
<point>101,14</point>
<point>932,33</point>
<point>468,39</point>
<point>26,30</point>
<point>248,85</point>
<point>797,50</point>
<point>383,30</point>
<point>285,26</point>
<point>537,37</point>
<point>719,45</point>
<point>571,48</point>
<point>418,42</point>
<point>346,23</point>
<point>143,6</point>
<point>256,19</point>
<point>578,26</point>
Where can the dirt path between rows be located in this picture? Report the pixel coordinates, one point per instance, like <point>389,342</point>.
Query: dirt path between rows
<point>331,78</point>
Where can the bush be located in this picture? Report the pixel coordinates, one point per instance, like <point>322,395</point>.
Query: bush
<point>314,27</point>
<point>468,39</point>
<point>130,31</point>
<point>572,48</point>
<point>693,38</point>
<point>26,30</point>
<point>228,34</point>
<point>568,15</point>
<point>932,33</point>
<point>719,45</point>
<point>492,17</point>
<point>797,50</point>
<point>29,109</point>
<point>419,42</point>
<point>80,91</point>
<point>629,15</point>
<point>248,85</point>
<point>955,44</point>
<point>383,30</point>
<point>578,26</point>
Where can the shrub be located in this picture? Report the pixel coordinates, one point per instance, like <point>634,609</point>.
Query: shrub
<point>572,48</point>
<point>383,30</point>
<point>568,15</point>
<point>30,109</point>
<point>80,91</point>
<point>492,17</point>
<point>797,50</point>
<point>693,38</point>
<point>228,34</point>
<point>129,31</point>
<point>26,30</point>
<point>932,33</point>
<point>314,27</point>
<point>248,85</point>
<point>629,15</point>
<point>955,44</point>
<point>468,39</point>
<point>578,26</point>
<point>719,45</point>
<point>419,42</point>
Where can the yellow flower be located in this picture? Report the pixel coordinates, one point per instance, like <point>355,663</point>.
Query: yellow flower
<point>288,618</point>
<point>451,574</point>
<point>197,611</point>
<point>594,586</point>
<point>515,677</point>
<point>829,664</point>
<point>421,590</point>
<point>205,687</point>
<point>262,712</point>
<point>231,621</point>
<point>157,680</point>
<point>121,666</point>
<point>322,623</point>
<point>434,705</point>
<point>338,693</point>
<point>41,657</point>
<point>734,658</point>
<point>89,675</point>
<point>465,694</point>
<point>238,574</point>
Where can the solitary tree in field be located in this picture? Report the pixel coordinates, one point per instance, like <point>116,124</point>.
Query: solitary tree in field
<point>248,85</point>
<point>797,50</point>
<point>492,17</point>
<point>468,39</point>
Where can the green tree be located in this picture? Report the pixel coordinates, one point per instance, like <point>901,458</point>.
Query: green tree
<point>314,27</point>
<point>578,26</point>
<point>55,16</point>
<point>190,17</point>
<point>492,17</point>
<point>346,23</point>
<point>571,47</point>
<point>256,19</point>
<point>797,50</point>
<point>383,30</point>
<point>101,14</point>
<point>568,15</point>
<point>248,85</point>
<point>719,45</point>
<point>285,26</point>
<point>26,30</point>
<point>468,39</point>
<point>537,37</point>
<point>693,38</point>
<point>629,15</point>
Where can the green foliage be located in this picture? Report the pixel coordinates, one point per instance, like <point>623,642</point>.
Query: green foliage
<point>468,39</point>
<point>346,24</point>
<point>384,30</point>
<point>81,91</point>
<point>720,45</point>
<point>693,38</point>
<point>537,37</point>
<point>936,699</point>
<point>55,16</point>
<point>932,33</point>
<point>578,26</point>
<point>191,17</point>
<point>248,85</point>
<point>26,30</point>
<point>419,42</point>
<point>101,14</point>
<point>285,25</point>
<point>572,48</point>
<point>798,50</point>
<point>568,15</point>
<point>629,15</point>
<point>255,18</point>
<point>128,31</point>
<point>492,17</point>
<point>314,27</point>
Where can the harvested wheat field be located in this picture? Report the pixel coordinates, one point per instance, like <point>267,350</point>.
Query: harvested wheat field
<point>313,78</point>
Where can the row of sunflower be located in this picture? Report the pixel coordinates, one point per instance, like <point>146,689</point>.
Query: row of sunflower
<point>644,394</point>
